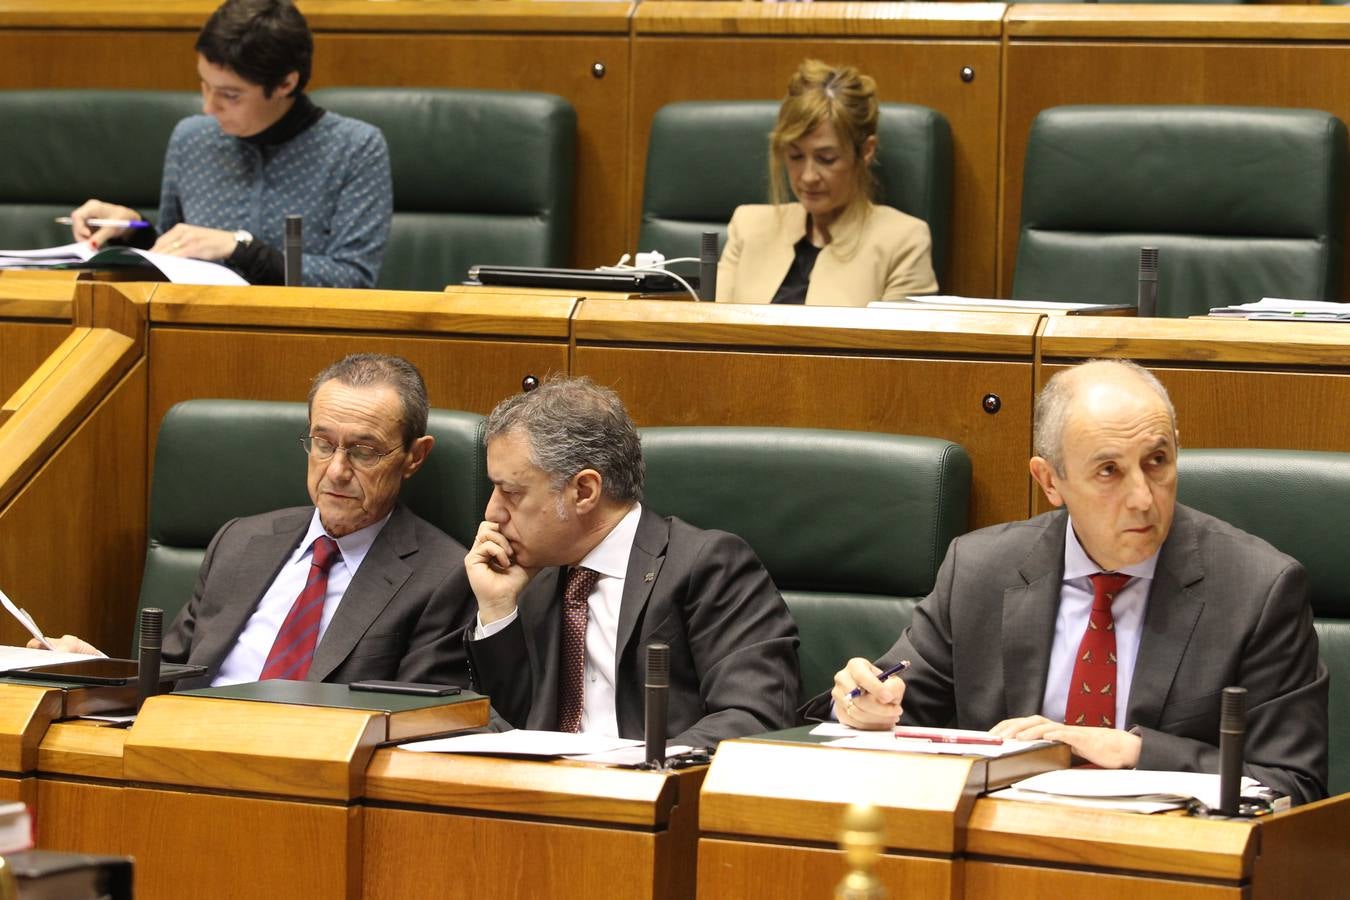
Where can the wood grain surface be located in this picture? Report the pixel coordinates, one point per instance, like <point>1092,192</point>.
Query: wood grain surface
<point>25,713</point>
<point>745,870</point>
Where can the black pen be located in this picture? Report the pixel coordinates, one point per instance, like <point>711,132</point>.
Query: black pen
<point>896,669</point>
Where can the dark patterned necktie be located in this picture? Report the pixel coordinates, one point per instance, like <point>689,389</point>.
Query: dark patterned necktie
<point>572,675</point>
<point>1092,689</point>
<point>293,649</point>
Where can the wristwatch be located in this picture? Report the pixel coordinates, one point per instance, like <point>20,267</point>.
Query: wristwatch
<point>242,238</point>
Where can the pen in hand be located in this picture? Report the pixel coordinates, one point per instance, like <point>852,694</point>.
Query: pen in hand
<point>106,223</point>
<point>896,669</point>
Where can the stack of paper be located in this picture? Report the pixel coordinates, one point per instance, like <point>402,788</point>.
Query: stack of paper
<point>81,256</point>
<point>944,741</point>
<point>1273,309</point>
<point>1130,790</point>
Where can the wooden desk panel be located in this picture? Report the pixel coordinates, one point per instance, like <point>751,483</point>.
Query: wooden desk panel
<point>1228,55</point>
<point>934,398</point>
<point>261,365</point>
<point>727,50</point>
<point>740,870</point>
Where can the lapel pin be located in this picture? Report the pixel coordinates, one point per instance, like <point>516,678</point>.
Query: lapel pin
<point>649,577</point>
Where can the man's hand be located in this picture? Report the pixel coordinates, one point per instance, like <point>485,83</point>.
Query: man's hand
<point>196,242</point>
<point>877,707</point>
<point>1109,748</point>
<point>67,643</point>
<point>97,209</point>
<point>493,574</point>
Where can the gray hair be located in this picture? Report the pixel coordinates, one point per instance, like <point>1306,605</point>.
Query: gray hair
<point>572,424</point>
<point>1055,399</point>
<point>377,370</point>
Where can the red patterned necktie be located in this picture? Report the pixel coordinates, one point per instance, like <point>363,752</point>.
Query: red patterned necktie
<point>572,674</point>
<point>293,649</point>
<point>1092,689</point>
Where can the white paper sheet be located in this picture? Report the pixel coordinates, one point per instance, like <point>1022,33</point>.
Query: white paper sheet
<point>627,756</point>
<point>523,742</point>
<point>80,250</point>
<point>884,740</point>
<point>1101,783</point>
<point>1120,804</point>
<point>22,658</point>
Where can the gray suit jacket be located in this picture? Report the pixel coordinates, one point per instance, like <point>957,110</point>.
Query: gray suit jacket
<point>401,617</point>
<point>733,645</point>
<point>1225,608</point>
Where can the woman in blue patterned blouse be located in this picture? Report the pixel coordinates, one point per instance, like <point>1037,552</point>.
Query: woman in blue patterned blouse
<point>263,151</point>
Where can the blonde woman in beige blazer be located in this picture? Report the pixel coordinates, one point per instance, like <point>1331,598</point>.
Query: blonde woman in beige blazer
<point>875,253</point>
<point>833,246</point>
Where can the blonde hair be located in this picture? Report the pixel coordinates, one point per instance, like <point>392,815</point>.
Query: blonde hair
<point>819,93</point>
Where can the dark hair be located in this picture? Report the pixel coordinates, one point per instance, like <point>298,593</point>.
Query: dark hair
<point>375,370</point>
<point>572,424</point>
<point>261,41</point>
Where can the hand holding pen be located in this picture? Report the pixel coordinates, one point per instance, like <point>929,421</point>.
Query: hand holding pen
<point>863,696</point>
<point>86,222</point>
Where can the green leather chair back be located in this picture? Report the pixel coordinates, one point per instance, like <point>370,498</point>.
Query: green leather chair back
<point>706,158</point>
<point>216,460</point>
<point>479,177</point>
<point>851,525</point>
<point>1242,203</point>
<point>1299,501</point>
<point>62,147</point>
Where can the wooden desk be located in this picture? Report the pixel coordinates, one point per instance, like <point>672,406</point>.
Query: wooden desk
<point>770,814</point>
<point>456,826</point>
<point>915,51</point>
<point>892,370</point>
<point>1029,850</point>
<point>35,316</point>
<point>25,713</point>
<point>1172,53</point>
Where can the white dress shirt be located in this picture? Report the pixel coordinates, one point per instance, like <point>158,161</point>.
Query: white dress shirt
<point>1075,605</point>
<point>610,559</point>
<point>245,662</point>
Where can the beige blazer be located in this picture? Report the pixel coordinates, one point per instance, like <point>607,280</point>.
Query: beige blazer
<point>876,253</point>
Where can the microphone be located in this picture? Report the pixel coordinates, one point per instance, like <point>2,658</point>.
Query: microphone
<point>1148,282</point>
<point>291,250</point>
<point>707,267</point>
<point>658,690</point>
<point>1232,735</point>
<point>147,671</point>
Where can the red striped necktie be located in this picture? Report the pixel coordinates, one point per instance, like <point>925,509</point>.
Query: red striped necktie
<point>293,650</point>
<point>1092,688</point>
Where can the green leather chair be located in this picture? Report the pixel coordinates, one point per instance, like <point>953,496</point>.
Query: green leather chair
<point>851,525</point>
<point>216,460</point>
<point>479,177</point>
<point>1299,501</point>
<point>1242,203</point>
<point>706,158</point>
<point>62,147</point>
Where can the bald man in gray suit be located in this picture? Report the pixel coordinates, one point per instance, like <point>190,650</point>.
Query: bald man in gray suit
<point>1006,640</point>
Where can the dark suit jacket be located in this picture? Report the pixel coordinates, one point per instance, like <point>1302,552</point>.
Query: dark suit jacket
<point>733,645</point>
<point>1225,608</point>
<point>401,617</point>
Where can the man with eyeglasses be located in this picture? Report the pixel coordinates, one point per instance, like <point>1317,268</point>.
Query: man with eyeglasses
<point>356,586</point>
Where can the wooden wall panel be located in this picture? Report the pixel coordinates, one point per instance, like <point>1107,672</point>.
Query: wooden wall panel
<point>671,68</point>
<point>1041,73</point>
<point>743,870</point>
<point>81,817</point>
<point>187,363</point>
<point>936,398</point>
<point>87,503</point>
<point>23,347</point>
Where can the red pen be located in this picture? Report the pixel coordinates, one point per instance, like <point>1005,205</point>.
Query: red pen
<point>939,737</point>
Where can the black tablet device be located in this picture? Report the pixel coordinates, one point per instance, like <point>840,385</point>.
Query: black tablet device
<point>103,670</point>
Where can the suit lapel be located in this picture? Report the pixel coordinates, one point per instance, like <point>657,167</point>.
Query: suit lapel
<point>644,565</point>
<point>1175,602</point>
<point>774,260</point>
<point>540,612</point>
<point>382,573</point>
<point>262,559</point>
<point>1029,612</point>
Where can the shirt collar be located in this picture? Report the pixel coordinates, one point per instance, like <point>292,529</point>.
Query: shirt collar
<point>1077,563</point>
<point>610,556</point>
<point>354,546</point>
